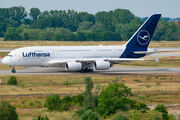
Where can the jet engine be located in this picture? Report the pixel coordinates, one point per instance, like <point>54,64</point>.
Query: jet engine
<point>73,66</point>
<point>102,65</point>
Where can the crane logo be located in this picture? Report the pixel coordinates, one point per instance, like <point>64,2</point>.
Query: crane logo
<point>143,37</point>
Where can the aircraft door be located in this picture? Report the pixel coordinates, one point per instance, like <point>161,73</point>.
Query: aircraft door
<point>52,52</point>
<point>19,57</point>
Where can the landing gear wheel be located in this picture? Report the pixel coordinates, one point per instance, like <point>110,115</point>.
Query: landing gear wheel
<point>13,71</point>
<point>82,71</point>
<point>86,70</point>
<point>91,70</point>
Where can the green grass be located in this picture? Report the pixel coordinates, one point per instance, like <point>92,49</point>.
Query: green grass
<point>1,38</point>
<point>31,107</point>
<point>3,54</point>
<point>139,81</point>
<point>19,44</point>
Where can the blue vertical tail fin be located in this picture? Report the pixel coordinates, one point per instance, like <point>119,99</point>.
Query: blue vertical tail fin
<point>143,35</point>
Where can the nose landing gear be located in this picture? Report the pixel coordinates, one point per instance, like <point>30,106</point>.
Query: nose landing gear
<point>13,70</point>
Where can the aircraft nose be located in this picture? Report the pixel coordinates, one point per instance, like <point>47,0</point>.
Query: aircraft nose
<point>4,61</point>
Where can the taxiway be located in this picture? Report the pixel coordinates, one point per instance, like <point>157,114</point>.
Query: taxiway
<point>114,70</point>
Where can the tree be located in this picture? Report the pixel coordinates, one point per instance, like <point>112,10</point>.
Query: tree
<point>12,80</point>
<point>120,117</point>
<point>53,102</point>
<point>126,31</point>
<point>27,21</point>
<point>98,26</point>
<point>90,115</point>
<point>3,26</point>
<point>163,109</point>
<point>117,36</point>
<point>17,13</point>
<point>107,36</point>
<point>136,20</point>
<point>112,98</point>
<point>71,37</point>
<point>88,98</point>
<point>42,118</point>
<point>12,36</point>
<point>89,17</point>
<point>5,13</point>
<point>34,13</point>
<point>118,28</point>
<point>48,22</point>
<point>111,18</point>
<point>105,18</point>
<point>59,37</point>
<point>7,111</point>
<point>62,30</point>
<point>81,36</point>
<point>96,35</point>
<point>85,26</point>
<point>45,14</point>
<point>122,16</point>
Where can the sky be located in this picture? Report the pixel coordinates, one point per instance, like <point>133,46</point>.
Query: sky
<point>140,8</point>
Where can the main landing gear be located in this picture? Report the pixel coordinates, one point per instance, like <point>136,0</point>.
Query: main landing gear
<point>13,70</point>
<point>86,70</point>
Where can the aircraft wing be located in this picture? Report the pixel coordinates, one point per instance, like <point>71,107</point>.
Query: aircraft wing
<point>110,60</point>
<point>95,59</point>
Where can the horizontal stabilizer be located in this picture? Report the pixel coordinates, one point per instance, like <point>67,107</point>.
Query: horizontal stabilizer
<point>150,52</point>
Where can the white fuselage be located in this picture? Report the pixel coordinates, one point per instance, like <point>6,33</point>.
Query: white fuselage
<point>39,56</point>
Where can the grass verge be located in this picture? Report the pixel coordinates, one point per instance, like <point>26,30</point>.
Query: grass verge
<point>19,44</point>
<point>57,84</point>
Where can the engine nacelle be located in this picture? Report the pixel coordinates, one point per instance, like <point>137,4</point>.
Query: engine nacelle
<point>73,66</point>
<point>102,65</point>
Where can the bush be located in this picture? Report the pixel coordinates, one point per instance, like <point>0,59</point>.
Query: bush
<point>88,97</point>
<point>161,108</point>
<point>157,118</point>
<point>79,113</point>
<point>121,117</point>
<point>67,83</point>
<point>7,112</point>
<point>78,99</point>
<point>140,105</point>
<point>53,102</point>
<point>42,118</point>
<point>165,116</point>
<point>90,115</point>
<point>65,104</point>
<point>12,81</point>
<point>112,98</point>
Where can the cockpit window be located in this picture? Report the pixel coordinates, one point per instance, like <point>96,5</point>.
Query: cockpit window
<point>9,55</point>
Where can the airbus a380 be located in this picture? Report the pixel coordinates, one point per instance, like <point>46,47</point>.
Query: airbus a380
<point>86,58</point>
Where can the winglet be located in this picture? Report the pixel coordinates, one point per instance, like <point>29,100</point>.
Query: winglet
<point>157,59</point>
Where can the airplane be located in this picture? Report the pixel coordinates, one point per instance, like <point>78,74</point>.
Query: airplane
<point>87,58</point>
